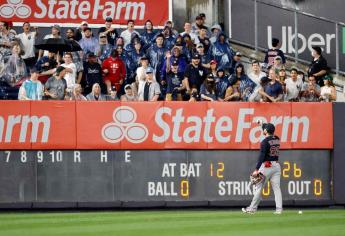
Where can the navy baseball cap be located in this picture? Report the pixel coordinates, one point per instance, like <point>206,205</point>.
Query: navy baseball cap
<point>196,56</point>
<point>109,19</point>
<point>269,127</point>
<point>175,63</point>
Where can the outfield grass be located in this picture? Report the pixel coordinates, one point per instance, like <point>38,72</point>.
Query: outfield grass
<point>174,222</point>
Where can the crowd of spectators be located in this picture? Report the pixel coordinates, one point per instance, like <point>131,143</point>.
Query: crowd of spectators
<point>197,64</point>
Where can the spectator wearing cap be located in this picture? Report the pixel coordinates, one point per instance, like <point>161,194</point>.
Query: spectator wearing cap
<point>55,33</point>
<point>203,18</point>
<point>256,74</point>
<point>293,87</point>
<point>235,61</point>
<point>89,43</point>
<point>140,77</point>
<point>198,24</point>
<point>129,95</point>
<point>204,39</point>
<point>194,75</point>
<point>151,89</point>
<point>109,31</point>
<point>114,71</point>
<point>79,32</point>
<point>205,57</point>
<point>188,31</point>
<point>214,67</point>
<point>31,89</point>
<point>328,91</point>
<point>174,79</point>
<point>148,35</point>
<point>105,48</point>
<point>216,30</point>
<point>273,90</point>
<point>92,74</point>
<point>27,39</point>
<point>208,89</point>
<point>156,54</point>
<point>273,52</point>
<point>127,34</point>
<point>318,67</point>
<point>277,64</point>
<point>55,87</point>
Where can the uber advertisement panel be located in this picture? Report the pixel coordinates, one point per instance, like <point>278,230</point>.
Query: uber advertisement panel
<point>279,23</point>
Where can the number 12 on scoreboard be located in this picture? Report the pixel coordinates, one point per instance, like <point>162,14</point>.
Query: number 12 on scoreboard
<point>217,170</point>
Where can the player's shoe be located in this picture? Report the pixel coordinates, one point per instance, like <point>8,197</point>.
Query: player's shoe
<point>278,212</point>
<point>248,210</point>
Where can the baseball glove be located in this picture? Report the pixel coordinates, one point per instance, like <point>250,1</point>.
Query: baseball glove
<point>255,179</point>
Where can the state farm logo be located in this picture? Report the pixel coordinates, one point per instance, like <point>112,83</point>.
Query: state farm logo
<point>124,126</point>
<point>15,7</point>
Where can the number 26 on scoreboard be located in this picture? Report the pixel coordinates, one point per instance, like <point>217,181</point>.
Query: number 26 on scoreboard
<point>292,169</point>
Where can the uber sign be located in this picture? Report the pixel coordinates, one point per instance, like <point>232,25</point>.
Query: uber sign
<point>288,40</point>
<point>280,23</point>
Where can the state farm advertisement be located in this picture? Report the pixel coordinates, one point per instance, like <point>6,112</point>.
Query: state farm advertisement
<point>161,125</point>
<point>92,11</point>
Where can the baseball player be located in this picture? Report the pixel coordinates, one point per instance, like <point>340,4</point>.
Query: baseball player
<point>267,169</point>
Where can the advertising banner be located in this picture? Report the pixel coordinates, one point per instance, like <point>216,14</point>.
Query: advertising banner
<point>162,125</point>
<point>67,12</point>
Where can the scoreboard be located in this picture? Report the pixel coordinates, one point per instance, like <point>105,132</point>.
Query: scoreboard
<point>162,175</point>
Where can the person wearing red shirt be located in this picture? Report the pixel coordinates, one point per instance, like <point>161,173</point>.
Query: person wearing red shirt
<point>114,71</point>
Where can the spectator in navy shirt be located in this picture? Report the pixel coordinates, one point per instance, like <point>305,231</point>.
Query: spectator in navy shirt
<point>273,90</point>
<point>273,52</point>
<point>92,74</point>
<point>194,75</point>
<point>175,86</point>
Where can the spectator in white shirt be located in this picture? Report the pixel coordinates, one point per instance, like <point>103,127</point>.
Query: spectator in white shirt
<point>256,73</point>
<point>71,71</point>
<point>188,30</point>
<point>127,34</point>
<point>293,87</point>
<point>27,39</point>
